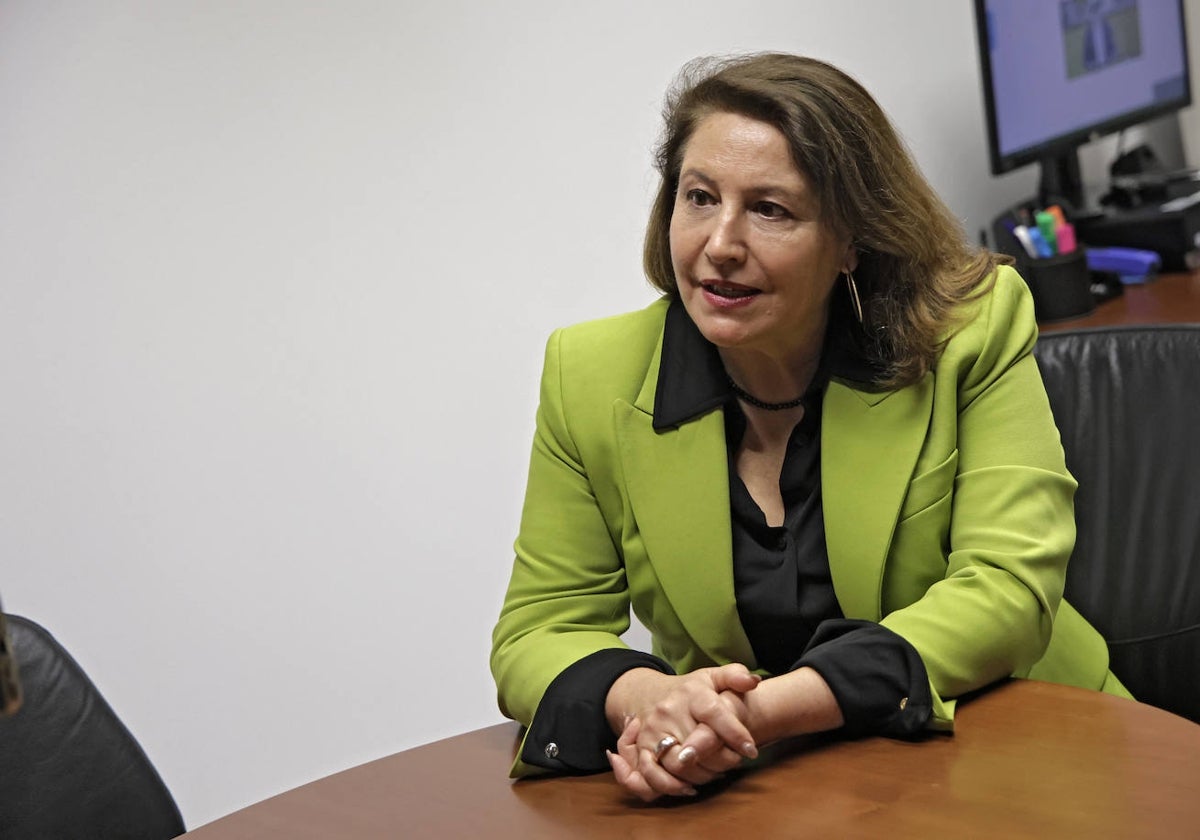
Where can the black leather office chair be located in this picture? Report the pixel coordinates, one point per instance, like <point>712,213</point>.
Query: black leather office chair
<point>1127,402</point>
<point>68,767</point>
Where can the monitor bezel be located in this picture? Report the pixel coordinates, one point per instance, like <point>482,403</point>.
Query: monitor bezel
<point>1066,142</point>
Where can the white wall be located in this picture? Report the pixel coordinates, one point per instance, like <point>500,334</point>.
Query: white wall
<point>275,277</point>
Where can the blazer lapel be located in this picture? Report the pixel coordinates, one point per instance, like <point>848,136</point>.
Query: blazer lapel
<point>678,486</point>
<point>869,448</point>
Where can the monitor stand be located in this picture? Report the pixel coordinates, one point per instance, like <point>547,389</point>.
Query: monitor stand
<point>1061,183</point>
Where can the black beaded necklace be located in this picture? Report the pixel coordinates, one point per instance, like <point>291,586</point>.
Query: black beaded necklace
<point>757,403</point>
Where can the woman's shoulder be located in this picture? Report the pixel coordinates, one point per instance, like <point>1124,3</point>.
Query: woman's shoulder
<point>641,324</point>
<point>1002,308</point>
<point>998,327</point>
<point>608,357</point>
<point>616,340</point>
<point>1009,290</point>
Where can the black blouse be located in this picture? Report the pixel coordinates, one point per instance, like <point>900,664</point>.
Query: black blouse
<point>782,583</point>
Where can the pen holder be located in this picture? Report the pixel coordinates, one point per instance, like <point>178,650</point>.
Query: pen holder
<point>1061,286</point>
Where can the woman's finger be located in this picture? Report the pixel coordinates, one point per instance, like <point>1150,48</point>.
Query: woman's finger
<point>627,742</point>
<point>735,677</point>
<point>693,773</point>
<point>660,779</point>
<point>721,713</point>
<point>722,761</point>
<point>629,778</point>
<point>704,749</point>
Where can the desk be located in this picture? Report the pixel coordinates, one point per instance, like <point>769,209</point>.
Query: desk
<point>1028,759</point>
<point>1169,299</point>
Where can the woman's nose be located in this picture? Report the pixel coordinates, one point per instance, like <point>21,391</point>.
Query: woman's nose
<point>726,242</point>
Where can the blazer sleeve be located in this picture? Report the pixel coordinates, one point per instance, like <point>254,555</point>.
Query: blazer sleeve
<point>567,597</point>
<point>1011,522</point>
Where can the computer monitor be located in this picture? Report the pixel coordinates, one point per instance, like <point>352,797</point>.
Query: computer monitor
<point>1059,73</point>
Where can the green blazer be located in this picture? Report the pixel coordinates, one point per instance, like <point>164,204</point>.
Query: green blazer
<point>947,504</point>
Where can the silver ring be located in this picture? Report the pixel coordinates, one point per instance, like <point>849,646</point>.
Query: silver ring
<point>664,745</point>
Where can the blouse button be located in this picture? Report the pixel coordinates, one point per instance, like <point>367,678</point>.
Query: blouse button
<point>903,703</point>
<point>552,750</point>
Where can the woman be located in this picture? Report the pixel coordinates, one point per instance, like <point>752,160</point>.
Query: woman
<point>822,469</point>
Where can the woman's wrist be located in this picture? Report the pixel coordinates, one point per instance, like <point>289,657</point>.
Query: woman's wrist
<point>791,704</point>
<point>629,694</point>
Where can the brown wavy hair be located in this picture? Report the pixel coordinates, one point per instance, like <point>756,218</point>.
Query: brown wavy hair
<point>915,266</point>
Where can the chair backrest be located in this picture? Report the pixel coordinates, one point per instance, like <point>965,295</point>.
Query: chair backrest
<point>68,767</point>
<point>1127,403</point>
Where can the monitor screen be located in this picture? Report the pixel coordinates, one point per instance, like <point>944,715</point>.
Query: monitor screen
<point>1057,73</point>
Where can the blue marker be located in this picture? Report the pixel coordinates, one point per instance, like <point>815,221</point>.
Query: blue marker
<point>1022,234</point>
<point>1039,242</point>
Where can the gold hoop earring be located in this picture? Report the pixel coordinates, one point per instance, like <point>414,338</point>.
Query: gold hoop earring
<point>855,301</point>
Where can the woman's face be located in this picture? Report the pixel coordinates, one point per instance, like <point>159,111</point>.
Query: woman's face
<point>754,263</point>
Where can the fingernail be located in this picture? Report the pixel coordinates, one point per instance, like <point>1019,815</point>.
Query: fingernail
<point>686,755</point>
<point>749,750</point>
<point>691,791</point>
<point>625,721</point>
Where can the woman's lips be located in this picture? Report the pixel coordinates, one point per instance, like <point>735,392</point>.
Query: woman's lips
<point>728,295</point>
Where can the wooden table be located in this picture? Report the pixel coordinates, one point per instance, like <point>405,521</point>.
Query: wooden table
<point>1028,759</point>
<point>1169,299</point>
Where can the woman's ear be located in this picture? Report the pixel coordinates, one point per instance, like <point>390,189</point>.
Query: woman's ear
<point>850,263</point>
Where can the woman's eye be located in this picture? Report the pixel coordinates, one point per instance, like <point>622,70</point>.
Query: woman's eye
<point>699,197</point>
<point>770,209</point>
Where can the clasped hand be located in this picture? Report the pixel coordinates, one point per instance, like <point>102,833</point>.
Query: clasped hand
<point>688,730</point>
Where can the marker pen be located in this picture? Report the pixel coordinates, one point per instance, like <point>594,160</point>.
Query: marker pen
<point>1046,223</point>
<point>1039,243</point>
<point>1065,235</point>
<point>1022,234</point>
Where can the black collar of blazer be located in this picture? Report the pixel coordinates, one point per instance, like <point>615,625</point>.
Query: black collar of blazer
<point>692,380</point>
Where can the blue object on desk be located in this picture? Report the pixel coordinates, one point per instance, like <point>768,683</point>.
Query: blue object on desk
<point>1039,243</point>
<point>1134,265</point>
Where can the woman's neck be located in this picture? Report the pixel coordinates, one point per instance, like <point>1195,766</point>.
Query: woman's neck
<point>771,378</point>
